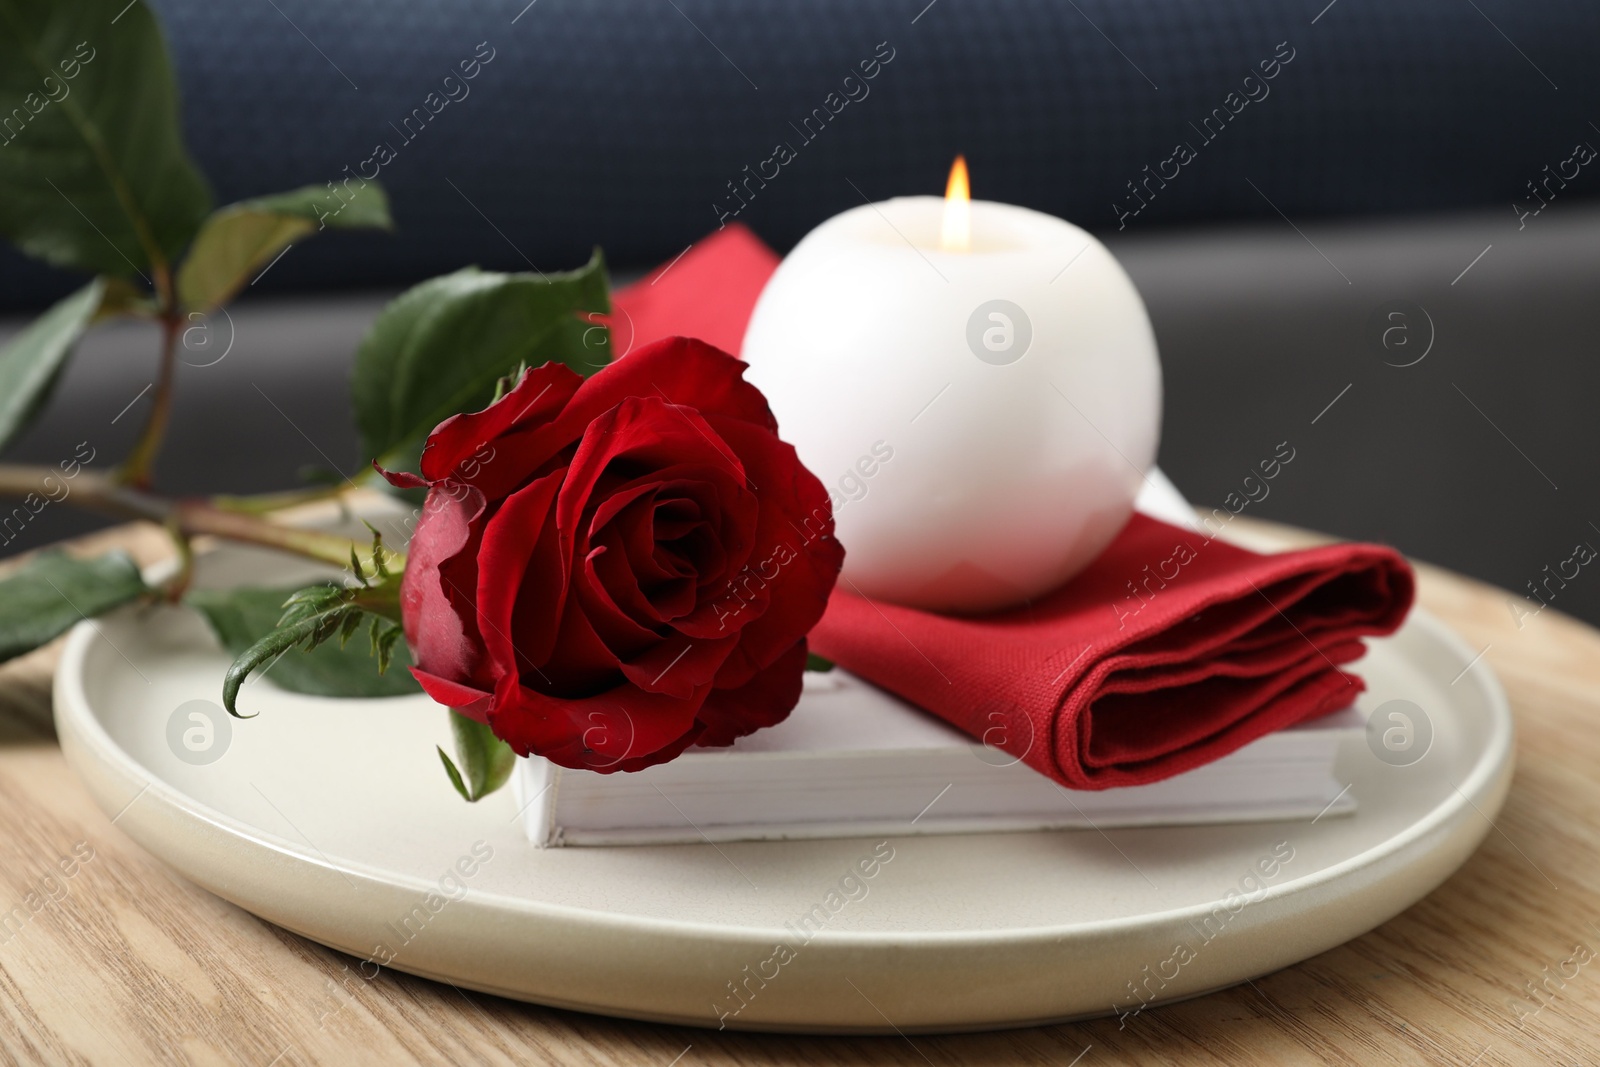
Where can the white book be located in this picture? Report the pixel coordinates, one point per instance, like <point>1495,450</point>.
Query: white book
<point>854,760</point>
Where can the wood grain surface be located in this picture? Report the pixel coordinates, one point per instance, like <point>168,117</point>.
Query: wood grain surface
<point>122,961</point>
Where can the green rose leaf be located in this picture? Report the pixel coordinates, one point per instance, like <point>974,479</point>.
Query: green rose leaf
<point>441,346</point>
<point>31,362</point>
<point>53,591</point>
<point>243,617</point>
<point>486,760</point>
<point>123,298</point>
<point>94,174</point>
<point>240,240</point>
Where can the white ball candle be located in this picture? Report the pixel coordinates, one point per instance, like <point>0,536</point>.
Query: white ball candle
<point>982,405</point>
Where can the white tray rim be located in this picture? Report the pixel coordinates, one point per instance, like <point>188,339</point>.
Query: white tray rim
<point>74,716</point>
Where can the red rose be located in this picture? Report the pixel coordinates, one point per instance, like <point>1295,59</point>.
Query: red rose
<point>609,570</point>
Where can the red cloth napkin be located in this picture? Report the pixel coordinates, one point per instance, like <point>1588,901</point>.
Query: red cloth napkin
<point>1124,676</point>
<point>1172,650</point>
<point>707,292</point>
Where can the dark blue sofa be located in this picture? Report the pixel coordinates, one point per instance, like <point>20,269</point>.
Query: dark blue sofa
<point>622,123</point>
<point>1393,147</point>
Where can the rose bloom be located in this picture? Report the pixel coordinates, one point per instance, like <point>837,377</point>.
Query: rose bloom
<point>609,570</point>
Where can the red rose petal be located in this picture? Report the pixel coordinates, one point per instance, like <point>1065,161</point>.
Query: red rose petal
<point>765,700</point>
<point>511,541</point>
<point>625,634</point>
<point>795,545</point>
<point>619,729</point>
<point>678,665</point>
<point>676,370</point>
<point>401,479</point>
<point>452,451</point>
<point>647,433</point>
<point>443,639</point>
<point>672,542</point>
<point>473,703</point>
<point>621,559</point>
<point>723,502</point>
<point>580,664</point>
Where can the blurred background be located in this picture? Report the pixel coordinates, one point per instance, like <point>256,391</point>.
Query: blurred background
<point>1432,161</point>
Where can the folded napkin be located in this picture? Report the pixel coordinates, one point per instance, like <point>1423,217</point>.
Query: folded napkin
<point>1125,676</point>
<point>1171,650</point>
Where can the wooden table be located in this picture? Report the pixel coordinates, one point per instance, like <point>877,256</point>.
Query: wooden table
<point>129,963</point>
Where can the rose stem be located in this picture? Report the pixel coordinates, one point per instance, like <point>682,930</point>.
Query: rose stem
<point>136,469</point>
<point>191,518</point>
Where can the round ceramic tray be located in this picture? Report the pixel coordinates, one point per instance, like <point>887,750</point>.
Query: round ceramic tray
<point>334,819</point>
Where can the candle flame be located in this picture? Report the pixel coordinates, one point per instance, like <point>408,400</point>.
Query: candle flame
<point>956,233</point>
